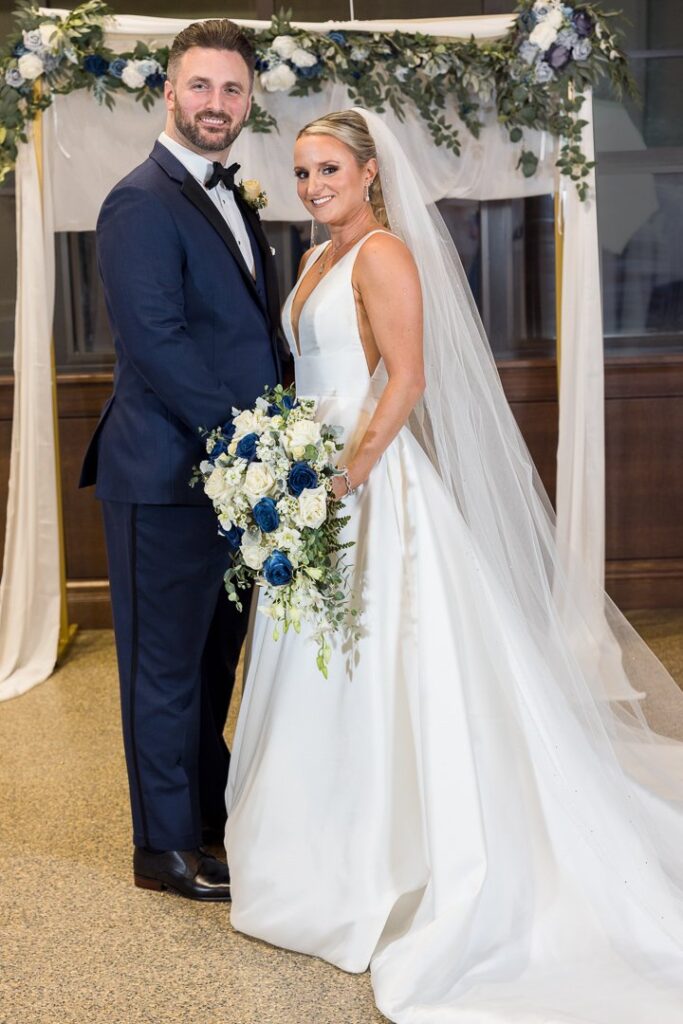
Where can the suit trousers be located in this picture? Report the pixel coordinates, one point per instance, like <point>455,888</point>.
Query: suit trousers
<point>178,642</point>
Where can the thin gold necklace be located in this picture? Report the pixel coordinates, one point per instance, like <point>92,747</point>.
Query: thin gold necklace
<point>326,263</point>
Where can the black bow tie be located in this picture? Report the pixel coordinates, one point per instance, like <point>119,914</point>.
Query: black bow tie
<point>224,174</point>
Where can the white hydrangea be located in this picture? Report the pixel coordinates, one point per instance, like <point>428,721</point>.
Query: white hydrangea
<point>278,79</point>
<point>303,58</point>
<point>30,66</point>
<point>284,46</point>
<point>131,75</point>
<point>543,36</point>
<point>49,36</point>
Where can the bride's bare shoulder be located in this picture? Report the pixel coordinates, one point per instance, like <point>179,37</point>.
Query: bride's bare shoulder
<point>385,254</point>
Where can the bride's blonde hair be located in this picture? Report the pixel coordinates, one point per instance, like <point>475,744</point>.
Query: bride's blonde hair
<point>349,127</point>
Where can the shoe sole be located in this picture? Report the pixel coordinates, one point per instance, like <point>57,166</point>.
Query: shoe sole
<point>156,885</point>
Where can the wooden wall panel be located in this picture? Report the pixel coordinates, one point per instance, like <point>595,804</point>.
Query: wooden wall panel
<point>644,424</point>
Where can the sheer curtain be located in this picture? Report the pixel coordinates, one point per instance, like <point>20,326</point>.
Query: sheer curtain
<point>88,149</point>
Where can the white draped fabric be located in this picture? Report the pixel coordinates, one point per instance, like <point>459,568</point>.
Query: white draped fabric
<point>30,588</point>
<point>88,149</point>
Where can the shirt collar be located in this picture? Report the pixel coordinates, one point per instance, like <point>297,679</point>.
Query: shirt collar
<point>198,166</point>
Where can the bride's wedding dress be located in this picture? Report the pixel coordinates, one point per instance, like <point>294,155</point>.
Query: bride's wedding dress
<point>473,804</point>
<point>437,812</point>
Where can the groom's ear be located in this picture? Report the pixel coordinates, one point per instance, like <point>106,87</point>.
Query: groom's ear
<point>169,94</point>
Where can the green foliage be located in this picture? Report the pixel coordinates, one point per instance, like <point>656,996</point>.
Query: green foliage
<point>451,83</point>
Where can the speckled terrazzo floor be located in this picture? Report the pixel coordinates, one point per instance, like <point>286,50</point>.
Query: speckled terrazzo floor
<point>78,943</point>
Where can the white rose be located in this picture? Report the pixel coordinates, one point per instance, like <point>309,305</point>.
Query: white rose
<point>249,422</point>
<point>253,553</point>
<point>284,46</point>
<point>303,58</point>
<point>278,79</point>
<point>252,190</point>
<point>215,485</point>
<point>554,18</point>
<point>258,481</point>
<point>543,36</point>
<point>30,66</point>
<point>131,75</point>
<point>312,507</point>
<point>48,35</point>
<point>300,434</point>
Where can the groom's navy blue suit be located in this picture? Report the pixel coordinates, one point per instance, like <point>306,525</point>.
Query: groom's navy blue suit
<point>195,335</point>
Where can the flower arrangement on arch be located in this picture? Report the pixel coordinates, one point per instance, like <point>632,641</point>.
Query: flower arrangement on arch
<point>269,474</point>
<point>534,77</point>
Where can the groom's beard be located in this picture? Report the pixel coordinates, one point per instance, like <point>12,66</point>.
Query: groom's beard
<point>212,141</point>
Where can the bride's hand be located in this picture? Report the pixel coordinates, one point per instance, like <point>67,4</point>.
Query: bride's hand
<point>339,488</point>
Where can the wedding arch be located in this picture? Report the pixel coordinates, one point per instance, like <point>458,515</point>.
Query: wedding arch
<point>69,150</point>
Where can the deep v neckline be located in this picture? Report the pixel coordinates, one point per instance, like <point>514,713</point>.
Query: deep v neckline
<point>307,270</point>
<point>297,288</point>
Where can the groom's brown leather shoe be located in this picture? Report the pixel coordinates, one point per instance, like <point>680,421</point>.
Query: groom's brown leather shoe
<point>191,873</point>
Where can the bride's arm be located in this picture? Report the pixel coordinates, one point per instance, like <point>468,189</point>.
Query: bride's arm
<point>387,279</point>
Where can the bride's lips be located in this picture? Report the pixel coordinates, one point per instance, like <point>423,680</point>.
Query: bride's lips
<point>321,201</point>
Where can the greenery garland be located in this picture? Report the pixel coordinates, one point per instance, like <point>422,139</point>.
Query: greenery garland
<point>534,77</point>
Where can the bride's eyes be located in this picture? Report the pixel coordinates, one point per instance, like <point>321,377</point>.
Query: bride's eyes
<point>327,169</point>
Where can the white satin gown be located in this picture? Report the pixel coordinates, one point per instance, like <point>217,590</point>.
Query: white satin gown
<point>432,810</point>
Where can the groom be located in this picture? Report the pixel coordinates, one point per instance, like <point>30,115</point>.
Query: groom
<point>192,298</point>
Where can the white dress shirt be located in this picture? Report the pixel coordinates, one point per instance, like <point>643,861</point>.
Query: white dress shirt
<point>223,199</point>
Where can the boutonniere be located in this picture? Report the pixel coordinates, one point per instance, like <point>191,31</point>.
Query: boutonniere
<point>252,193</point>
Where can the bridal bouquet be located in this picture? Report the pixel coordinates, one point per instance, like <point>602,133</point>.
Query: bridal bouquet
<point>269,475</point>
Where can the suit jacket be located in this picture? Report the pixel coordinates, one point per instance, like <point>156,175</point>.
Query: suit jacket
<point>195,335</point>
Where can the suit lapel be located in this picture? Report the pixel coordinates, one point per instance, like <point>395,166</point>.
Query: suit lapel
<point>193,191</point>
<point>272,289</point>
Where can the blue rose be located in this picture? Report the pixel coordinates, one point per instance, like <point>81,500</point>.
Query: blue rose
<point>155,80</point>
<point>96,65</point>
<point>14,78</point>
<point>266,515</point>
<point>312,72</point>
<point>301,476</point>
<point>117,67</point>
<point>220,447</point>
<point>583,23</point>
<point>288,401</point>
<point>543,73</point>
<point>262,65</point>
<point>558,57</point>
<point>273,410</point>
<point>337,37</point>
<point>19,50</point>
<point>233,536</point>
<point>228,430</point>
<point>277,569</point>
<point>246,447</point>
<point>582,49</point>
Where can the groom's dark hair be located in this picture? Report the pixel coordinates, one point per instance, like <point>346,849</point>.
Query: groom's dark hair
<point>215,34</point>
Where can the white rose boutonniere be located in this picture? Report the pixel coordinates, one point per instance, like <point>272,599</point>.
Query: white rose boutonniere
<point>252,193</point>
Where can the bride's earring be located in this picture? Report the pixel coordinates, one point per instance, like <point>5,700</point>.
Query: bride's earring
<point>366,193</point>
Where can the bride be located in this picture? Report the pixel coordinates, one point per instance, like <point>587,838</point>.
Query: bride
<point>473,803</point>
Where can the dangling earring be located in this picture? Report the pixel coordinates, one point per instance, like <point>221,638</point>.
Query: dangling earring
<point>366,193</point>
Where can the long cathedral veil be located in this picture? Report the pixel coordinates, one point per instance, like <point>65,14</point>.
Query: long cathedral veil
<point>595,663</point>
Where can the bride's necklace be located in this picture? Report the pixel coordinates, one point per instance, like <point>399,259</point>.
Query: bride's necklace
<point>332,254</point>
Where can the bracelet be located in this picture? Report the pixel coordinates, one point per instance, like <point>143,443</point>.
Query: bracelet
<point>347,480</point>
